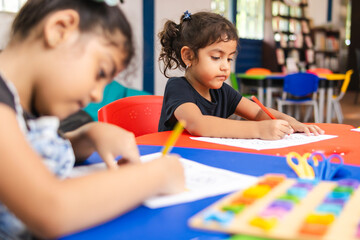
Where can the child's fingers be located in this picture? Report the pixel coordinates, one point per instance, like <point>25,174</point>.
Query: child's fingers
<point>109,160</point>
<point>307,131</point>
<point>132,155</point>
<point>319,130</point>
<point>286,128</point>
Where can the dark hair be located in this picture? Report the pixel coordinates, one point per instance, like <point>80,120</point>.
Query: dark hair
<point>200,30</point>
<point>92,14</point>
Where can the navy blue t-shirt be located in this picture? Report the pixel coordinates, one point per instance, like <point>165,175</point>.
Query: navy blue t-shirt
<point>179,91</point>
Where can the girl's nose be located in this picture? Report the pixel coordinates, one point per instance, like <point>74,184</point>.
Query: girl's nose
<point>225,66</point>
<point>96,94</point>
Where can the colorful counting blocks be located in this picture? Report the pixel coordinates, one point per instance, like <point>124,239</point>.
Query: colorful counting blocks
<point>264,223</point>
<point>248,197</point>
<point>291,209</point>
<point>218,216</point>
<point>257,191</point>
<point>317,223</point>
<point>325,219</point>
<point>271,180</point>
<point>313,229</point>
<point>234,208</point>
<point>270,216</point>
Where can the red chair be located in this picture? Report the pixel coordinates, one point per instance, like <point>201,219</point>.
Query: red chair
<point>317,71</point>
<point>137,114</point>
<point>258,71</point>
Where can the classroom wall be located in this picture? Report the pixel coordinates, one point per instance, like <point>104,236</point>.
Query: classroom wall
<point>5,26</point>
<point>134,12</point>
<point>169,9</point>
<point>318,12</point>
<point>164,10</point>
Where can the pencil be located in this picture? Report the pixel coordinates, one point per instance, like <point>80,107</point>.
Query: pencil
<point>179,127</point>
<point>262,107</point>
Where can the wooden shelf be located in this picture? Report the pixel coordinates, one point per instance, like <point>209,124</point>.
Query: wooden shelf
<point>326,45</point>
<point>292,35</point>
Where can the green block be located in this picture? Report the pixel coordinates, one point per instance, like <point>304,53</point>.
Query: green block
<point>234,208</point>
<point>343,189</point>
<point>245,237</point>
<point>290,198</point>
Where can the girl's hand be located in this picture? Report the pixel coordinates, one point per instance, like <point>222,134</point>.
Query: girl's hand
<point>274,129</point>
<point>308,129</point>
<point>111,141</point>
<point>108,140</point>
<point>174,177</point>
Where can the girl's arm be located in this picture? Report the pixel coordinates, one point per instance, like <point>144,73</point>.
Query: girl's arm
<point>51,207</point>
<point>108,140</point>
<point>210,126</point>
<point>250,110</point>
<point>296,125</point>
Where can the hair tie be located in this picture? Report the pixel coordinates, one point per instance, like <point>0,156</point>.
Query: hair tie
<point>187,15</point>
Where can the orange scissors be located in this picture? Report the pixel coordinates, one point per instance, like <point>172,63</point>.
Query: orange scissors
<point>302,168</point>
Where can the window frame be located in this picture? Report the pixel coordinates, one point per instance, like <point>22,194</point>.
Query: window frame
<point>11,6</point>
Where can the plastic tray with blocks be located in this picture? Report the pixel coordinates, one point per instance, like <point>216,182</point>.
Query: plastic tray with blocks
<point>282,208</point>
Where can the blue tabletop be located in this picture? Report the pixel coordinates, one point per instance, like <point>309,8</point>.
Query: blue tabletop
<point>171,222</point>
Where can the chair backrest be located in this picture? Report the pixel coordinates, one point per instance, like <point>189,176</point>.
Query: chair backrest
<point>301,84</point>
<point>346,82</point>
<point>345,85</point>
<point>258,71</point>
<point>138,114</point>
<point>113,91</point>
<point>319,71</point>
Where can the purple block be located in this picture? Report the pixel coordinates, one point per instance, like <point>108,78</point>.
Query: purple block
<point>286,205</point>
<point>336,201</point>
<point>348,183</point>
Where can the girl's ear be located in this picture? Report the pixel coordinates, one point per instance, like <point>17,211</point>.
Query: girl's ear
<point>187,55</point>
<point>59,26</point>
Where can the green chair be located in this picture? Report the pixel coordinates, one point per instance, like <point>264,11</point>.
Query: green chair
<point>234,82</point>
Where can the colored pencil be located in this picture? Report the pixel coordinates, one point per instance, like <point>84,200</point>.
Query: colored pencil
<point>178,129</point>
<point>262,107</point>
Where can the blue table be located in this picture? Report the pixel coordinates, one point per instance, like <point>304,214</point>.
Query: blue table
<point>171,222</point>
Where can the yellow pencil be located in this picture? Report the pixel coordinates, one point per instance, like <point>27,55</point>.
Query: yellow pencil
<point>179,127</point>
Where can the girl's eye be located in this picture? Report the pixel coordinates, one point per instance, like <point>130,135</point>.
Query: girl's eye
<point>230,59</point>
<point>215,58</point>
<point>101,74</point>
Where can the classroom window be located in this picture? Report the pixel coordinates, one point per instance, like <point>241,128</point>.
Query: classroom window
<point>222,7</point>
<point>11,5</point>
<point>250,18</point>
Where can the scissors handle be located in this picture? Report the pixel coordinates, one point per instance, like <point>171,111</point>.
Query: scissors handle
<point>302,168</point>
<point>332,168</point>
<point>327,172</point>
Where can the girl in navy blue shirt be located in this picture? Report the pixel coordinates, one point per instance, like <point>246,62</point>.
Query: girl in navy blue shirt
<point>204,44</point>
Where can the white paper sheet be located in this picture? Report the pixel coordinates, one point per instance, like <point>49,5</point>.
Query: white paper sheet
<point>258,144</point>
<point>201,181</point>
